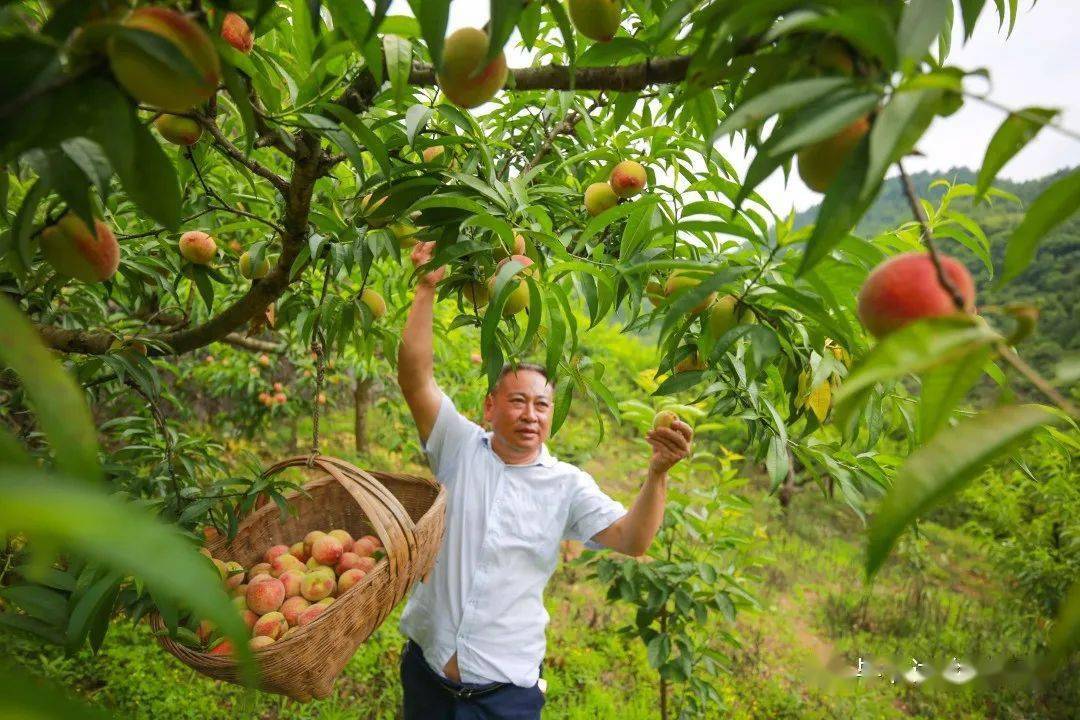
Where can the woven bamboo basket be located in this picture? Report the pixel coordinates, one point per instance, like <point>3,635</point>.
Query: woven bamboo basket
<point>406,512</point>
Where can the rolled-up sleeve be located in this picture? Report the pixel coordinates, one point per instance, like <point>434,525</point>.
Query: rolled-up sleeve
<point>591,511</point>
<point>451,432</point>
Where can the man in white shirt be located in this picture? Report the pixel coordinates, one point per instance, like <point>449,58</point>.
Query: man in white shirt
<point>476,623</point>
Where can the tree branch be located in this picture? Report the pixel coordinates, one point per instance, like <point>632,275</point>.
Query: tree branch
<point>558,77</point>
<point>225,145</point>
<point>928,238</point>
<point>247,343</point>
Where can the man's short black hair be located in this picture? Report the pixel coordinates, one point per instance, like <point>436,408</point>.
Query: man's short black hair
<point>512,368</point>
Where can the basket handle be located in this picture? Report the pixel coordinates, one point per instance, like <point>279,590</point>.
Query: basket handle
<point>389,519</point>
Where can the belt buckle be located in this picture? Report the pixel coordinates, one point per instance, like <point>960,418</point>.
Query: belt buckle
<point>465,693</point>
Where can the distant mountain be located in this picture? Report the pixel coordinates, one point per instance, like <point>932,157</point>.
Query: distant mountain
<point>1052,281</point>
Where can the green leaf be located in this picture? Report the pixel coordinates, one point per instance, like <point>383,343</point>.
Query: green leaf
<point>27,697</point>
<point>354,19</point>
<point>896,129</point>
<point>339,137</point>
<point>1016,131</point>
<point>60,512</point>
<point>398,53</point>
<point>371,141</point>
<point>778,99</point>
<point>57,401</point>
<point>416,118</point>
<point>38,602</point>
<point>432,15</point>
<point>914,348</point>
<point>22,228</point>
<point>922,22</point>
<point>302,32</point>
<point>234,83</point>
<point>844,204</point>
<point>566,29</point>
<point>1050,209</point>
<point>145,171</point>
<point>943,466</point>
<point>969,10</point>
<point>504,18</point>
<point>944,387</point>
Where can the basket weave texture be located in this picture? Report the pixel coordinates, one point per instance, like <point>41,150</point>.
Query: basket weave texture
<point>406,512</point>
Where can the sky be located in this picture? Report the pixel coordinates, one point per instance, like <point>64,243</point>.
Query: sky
<point>1038,66</point>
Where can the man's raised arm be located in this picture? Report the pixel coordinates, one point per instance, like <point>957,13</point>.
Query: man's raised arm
<point>416,363</point>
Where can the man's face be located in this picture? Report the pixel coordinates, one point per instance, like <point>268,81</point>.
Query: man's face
<point>519,410</point>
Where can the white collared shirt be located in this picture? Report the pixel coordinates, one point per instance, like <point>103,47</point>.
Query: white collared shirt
<point>484,597</point>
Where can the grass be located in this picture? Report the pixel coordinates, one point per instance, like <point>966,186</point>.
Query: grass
<point>937,598</point>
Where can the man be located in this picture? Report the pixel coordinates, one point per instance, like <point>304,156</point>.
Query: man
<point>476,624</point>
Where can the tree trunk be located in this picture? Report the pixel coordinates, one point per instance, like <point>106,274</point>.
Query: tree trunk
<point>362,397</point>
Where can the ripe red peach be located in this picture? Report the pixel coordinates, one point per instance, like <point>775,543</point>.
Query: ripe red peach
<point>350,578</point>
<point>151,81</point>
<point>285,562</point>
<point>235,574</point>
<point>262,568</point>
<point>76,252</point>
<point>270,625</point>
<point>326,550</point>
<point>348,561</point>
<point>291,580</point>
<point>266,596</point>
<point>260,641</point>
<point>298,551</point>
<point>905,288</point>
<point>225,647</point>
<point>309,615</point>
<point>275,551</point>
<point>198,247</point>
<point>235,31</point>
<point>310,539</point>
<point>292,607</point>
<point>627,178</point>
<point>317,585</point>
<point>344,538</point>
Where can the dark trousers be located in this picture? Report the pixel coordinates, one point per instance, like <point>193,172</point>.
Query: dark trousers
<point>430,696</point>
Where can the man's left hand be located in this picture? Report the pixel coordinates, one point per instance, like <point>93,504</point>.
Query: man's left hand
<point>670,445</point>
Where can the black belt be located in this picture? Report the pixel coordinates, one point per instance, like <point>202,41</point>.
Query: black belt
<point>466,693</point>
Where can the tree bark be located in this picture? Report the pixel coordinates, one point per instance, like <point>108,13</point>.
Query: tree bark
<point>620,78</point>
<point>362,397</point>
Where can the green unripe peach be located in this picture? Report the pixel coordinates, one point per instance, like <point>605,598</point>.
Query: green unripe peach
<point>76,252</point>
<point>518,299</point>
<point>406,235</point>
<point>461,77</point>
<point>627,178</point>
<point>678,281</point>
<point>596,19</point>
<point>664,418</point>
<point>500,252</point>
<point>476,293</point>
<point>256,272</point>
<point>721,317</point>
<point>368,207</point>
<point>600,197</point>
<point>178,130</point>
<point>374,301</point>
<point>820,163</point>
<point>151,81</point>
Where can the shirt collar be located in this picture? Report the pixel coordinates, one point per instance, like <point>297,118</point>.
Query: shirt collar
<point>545,458</point>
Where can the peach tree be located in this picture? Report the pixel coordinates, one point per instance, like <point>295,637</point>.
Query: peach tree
<point>254,173</point>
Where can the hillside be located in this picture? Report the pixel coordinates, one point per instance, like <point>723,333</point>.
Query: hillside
<point>1052,280</point>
